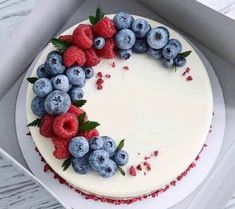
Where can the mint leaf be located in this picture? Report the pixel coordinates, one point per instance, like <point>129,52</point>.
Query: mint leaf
<point>121,170</point>
<point>88,126</point>
<point>79,103</point>
<point>35,123</point>
<point>121,144</point>
<point>81,119</point>
<point>99,13</point>
<point>32,79</point>
<point>185,54</point>
<point>66,164</point>
<point>92,20</point>
<point>60,45</point>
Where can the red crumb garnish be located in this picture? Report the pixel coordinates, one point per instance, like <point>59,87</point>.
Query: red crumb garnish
<point>99,74</point>
<point>147,165</point>
<point>126,67</point>
<point>186,71</point>
<point>155,153</point>
<point>107,76</point>
<point>147,158</point>
<point>144,173</point>
<point>139,167</point>
<point>99,81</point>
<point>100,86</point>
<point>132,171</point>
<point>189,78</point>
<point>113,64</point>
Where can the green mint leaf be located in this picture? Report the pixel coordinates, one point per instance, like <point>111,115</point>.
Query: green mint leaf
<point>88,126</point>
<point>121,144</point>
<point>79,103</point>
<point>185,54</point>
<point>32,79</point>
<point>121,170</point>
<point>60,45</point>
<point>66,164</point>
<point>81,119</point>
<point>35,123</point>
<point>92,20</point>
<point>99,13</point>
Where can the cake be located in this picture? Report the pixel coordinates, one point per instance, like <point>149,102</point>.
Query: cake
<point>157,113</point>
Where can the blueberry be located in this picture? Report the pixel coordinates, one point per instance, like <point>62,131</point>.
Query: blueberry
<point>121,157</point>
<point>42,87</point>
<point>81,165</point>
<point>179,61</point>
<point>96,143</point>
<point>122,20</point>
<point>155,53</point>
<point>125,39</point>
<point>98,159</point>
<point>158,37</point>
<point>124,54</point>
<point>109,145</point>
<point>140,28</point>
<point>54,65</point>
<point>176,43</point>
<point>99,42</point>
<point>167,63</point>
<point>172,49</point>
<point>61,82</point>
<point>76,76</point>
<point>52,53</point>
<point>57,102</point>
<point>109,170</point>
<point>78,146</point>
<point>140,46</point>
<point>41,72</point>
<point>89,72</point>
<point>37,106</point>
<point>76,93</point>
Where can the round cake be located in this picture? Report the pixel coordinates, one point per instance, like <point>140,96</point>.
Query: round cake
<point>163,114</point>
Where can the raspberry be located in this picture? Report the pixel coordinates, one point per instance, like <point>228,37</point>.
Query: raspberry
<point>73,56</point>
<point>90,134</point>
<point>77,111</point>
<point>46,126</point>
<point>91,58</point>
<point>105,28</point>
<point>108,51</point>
<point>61,147</point>
<point>65,125</point>
<point>67,38</point>
<point>82,36</point>
<point>132,171</point>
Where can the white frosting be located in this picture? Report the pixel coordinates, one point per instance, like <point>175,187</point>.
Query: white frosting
<point>153,108</point>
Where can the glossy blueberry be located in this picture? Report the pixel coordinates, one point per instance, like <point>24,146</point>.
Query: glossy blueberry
<point>37,106</point>
<point>121,157</point>
<point>140,46</point>
<point>122,20</point>
<point>76,93</point>
<point>42,87</point>
<point>52,53</point>
<point>81,165</point>
<point>89,72</point>
<point>78,146</point>
<point>57,102</point>
<point>140,28</point>
<point>76,76</point>
<point>109,145</point>
<point>167,63</point>
<point>125,39</point>
<point>176,43</point>
<point>172,49</point>
<point>99,42</point>
<point>61,82</point>
<point>54,65</point>
<point>98,159</point>
<point>96,143</point>
<point>179,61</point>
<point>109,170</point>
<point>158,37</point>
<point>155,53</point>
<point>124,54</point>
<point>41,72</point>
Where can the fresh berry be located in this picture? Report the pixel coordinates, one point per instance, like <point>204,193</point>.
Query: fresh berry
<point>76,93</point>
<point>132,171</point>
<point>179,61</point>
<point>124,54</point>
<point>167,63</point>
<point>158,37</point>
<point>76,76</point>
<point>155,53</point>
<point>105,28</point>
<point>61,147</point>
<point>125,39</point>
<point>67,38</point>
<point>121,157</point>
<point>140,28</point>
<point>57,102</point>
<point>108,51</point>
<point>65,125</point>
<point>75,110</point>
<point>91,58</point>
<point>78,146</point>
<point>37,106</point>
<point>73,56</point>
<point>54,64</point>
<point>82,36</point>
<point>46,126</point>
<point>176,43</point>
<point>140,46</point>
<point>109,170</point>
<point>61,82</point>
<point>122,20</point>
<point>96,143</point>
<point>172,49</point>
<point>81,165</point>
<point>99,42</point>
<point>53,53</point>
<point>89,134</point>
<point>98,159</point>
<point>42,87</point>
<point>41,71</point>
<point>109,145</point>
<point>89,72</point>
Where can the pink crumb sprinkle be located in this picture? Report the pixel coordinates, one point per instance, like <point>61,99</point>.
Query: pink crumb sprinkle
<point>113,64</point>
<point>139,167</point>
<point>155,153</point>
<point>99,74</point>
<point>126,67</point>
<point>99,81</point>
<point>99,86</point>
<point>132,171</point>
<point>189,78</point>
<point>147,165</point>
<point>144,173</point>
<point>108,76</point>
